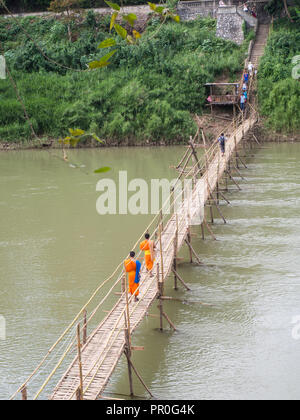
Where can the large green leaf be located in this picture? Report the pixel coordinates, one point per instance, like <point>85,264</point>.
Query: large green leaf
<point>152,6</point>
<point>121,31</point>
<point>103,62</point>
<point>176,18</point>
<point>159,9</point>
<point>110,42</point>
<point>107,56</point>
<point>114,6</point>
<point>102,170</point>
<point>98,65</point>
<point>136,34</point>
<point>77,132</point>
<point>130,18</point>
<point>97,138</point>
<point>113,19</point>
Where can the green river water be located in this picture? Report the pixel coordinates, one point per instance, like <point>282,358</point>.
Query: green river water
<point>55,249</point>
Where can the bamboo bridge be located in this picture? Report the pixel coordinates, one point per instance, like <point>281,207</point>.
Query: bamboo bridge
<point>93,358</point>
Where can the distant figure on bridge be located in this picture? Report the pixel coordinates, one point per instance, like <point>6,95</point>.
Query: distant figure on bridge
<point>253,12</point>
<point>242,102</point>
<point>250,68</point>
<point>245,8</point>
<point>246,77</point>
<point>221,4</point>
<point>148,246</point>
<point>133,267</point>
<point>222,139</point>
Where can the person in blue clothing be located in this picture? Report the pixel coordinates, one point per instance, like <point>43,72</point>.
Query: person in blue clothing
<point>246,77</point>
<point>242,102</point>
<point>222,140</point>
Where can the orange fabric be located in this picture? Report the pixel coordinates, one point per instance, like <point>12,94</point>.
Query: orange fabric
<point>144,246</point>
<point>130,267</point>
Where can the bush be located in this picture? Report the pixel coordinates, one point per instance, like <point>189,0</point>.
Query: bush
<point>148,93</point>
<point>278,91</point>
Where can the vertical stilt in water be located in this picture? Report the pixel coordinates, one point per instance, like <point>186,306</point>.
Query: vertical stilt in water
<point>128,356</point>
<point>79,362</point>
<point>84,333</point>
<point>161,312</point>
<point>189,240</point>
<point>202,231</point>
<point>175,259</point>
<point>24,393</point>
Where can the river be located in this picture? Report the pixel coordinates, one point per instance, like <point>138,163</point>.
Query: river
<point>55,249</point>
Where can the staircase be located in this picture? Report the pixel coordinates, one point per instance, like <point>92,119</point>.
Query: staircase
<point>259,44</point>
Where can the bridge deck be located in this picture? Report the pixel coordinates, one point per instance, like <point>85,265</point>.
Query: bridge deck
<point>106,344</point>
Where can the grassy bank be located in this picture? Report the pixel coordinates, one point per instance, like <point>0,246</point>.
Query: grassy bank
<point>147,94</point>
<point>279,92</point>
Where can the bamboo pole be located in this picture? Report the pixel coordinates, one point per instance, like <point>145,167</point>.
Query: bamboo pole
<point>24,393</point>
<point>84,333</point>
<point>79,362</point>
<point>193,252</point>
<point>175,258</point>
<point>180,279</point>
<point>127,352</point>
<point>141,379</point>
<point>202,231</point>
<point>189,241</point>
<point>210,230</point>
<point>169,321</point>
<point>160,306</point>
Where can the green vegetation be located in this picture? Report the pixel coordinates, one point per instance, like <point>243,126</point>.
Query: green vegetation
<point>37,5</point>
<point>279,92</point>
<point>148,93</point>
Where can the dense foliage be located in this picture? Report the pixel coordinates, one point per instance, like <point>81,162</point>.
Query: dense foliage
<point>149,92</point>
<point>36,5</point>
<point>279,92</point>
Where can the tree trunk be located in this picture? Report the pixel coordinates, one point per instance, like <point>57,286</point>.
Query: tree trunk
<point>287,10</point>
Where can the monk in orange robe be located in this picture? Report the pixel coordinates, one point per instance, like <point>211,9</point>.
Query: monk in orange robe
<point>148,247</point>
<point>130,268</point>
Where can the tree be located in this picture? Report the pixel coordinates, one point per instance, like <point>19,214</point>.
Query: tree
<point>287,10</point>
<point>68,9</point>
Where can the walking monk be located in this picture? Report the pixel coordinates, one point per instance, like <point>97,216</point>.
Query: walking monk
<point>148,246</point>
<point>132,267</point>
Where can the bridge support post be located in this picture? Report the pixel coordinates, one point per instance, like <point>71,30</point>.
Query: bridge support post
<point>127,352</point>
<point>123,282</point>
<point>209,229</point>
<point>24,393</point>
<point>80,389</point>
<point>84,332</point>
<point>180,279</point>
<point>193,252</point>
<point>202,231</point>
<point>175,259</point>
<point>160,305</point>
<point>189,241</point>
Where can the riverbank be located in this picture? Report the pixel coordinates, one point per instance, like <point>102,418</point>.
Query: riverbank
<point>148,95</point>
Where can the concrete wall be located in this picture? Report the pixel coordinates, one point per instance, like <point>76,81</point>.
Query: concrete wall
<point>229,24</point>
<point>190,10</point>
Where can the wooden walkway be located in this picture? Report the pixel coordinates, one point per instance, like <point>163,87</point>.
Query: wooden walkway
<point>106,344</point>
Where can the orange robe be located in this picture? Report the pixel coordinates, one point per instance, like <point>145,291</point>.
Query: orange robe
<point>145,246</point>
<point>130,267</point>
